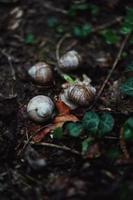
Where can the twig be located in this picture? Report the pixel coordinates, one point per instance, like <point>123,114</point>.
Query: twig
<point>112,69</point>
<point>58,53</point>
<point>59,45</point>
<point>53,8</point>
<point>64,148</point>
<point>9,58</point>
<point>108,24</point>
<point>123,145</point>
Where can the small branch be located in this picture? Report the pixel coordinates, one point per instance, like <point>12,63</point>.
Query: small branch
<point>64,148</point>
<point>123,145</point>
<point>58,46</point>
<point>54,9</point>
<point>108,24</point>
<point>9,58</point>
<point>112,69</point>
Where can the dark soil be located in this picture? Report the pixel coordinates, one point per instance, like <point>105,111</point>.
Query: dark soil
<point>38,172</point>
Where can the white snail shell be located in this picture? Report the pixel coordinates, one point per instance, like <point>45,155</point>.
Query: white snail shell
<point>41,73</point>
<point>70,61</point>
<point>78,94</point>
<point>40,108</point>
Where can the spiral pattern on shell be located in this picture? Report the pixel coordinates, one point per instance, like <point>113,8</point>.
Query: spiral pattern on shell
<point>41,73</point>
<point>79,94</point>
<point>40,108</point>
<point>70,61</point>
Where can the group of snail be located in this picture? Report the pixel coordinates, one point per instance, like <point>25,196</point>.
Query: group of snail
<point>40,108</point>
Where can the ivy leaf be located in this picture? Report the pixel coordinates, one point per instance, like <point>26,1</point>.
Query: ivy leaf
<point>86,144</point>
<point>68,78</point>
<point>127,87</point>
<point>90,122</point>
<point>128,129</point>
<point>74,129</point>
<point>58,133</point>
<point>106,124</point>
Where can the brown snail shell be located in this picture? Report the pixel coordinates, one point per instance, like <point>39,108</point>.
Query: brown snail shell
<point>78,94</point>
<point>70,61</point>
<point>41,73</point>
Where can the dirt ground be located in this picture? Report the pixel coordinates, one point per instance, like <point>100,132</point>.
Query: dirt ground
<point>26,38</point>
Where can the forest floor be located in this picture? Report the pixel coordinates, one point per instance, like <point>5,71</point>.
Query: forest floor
<point>34,164</point>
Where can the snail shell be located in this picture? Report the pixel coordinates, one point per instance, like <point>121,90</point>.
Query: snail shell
<point>40,108</point>
<point>70,61</point>
<point>41,73</point>
<point>78,94</point>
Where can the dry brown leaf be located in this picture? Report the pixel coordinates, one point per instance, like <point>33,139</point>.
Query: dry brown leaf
<point>42,133</point>
<point>61,107</point>
<point>65,118</point>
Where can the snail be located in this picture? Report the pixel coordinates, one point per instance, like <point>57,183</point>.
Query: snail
<point>41,73</point>
<point>81,93</point>
<point>40,108</point>
<point>70,61</point>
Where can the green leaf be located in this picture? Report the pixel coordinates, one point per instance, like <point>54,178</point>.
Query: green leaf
<point>58,133</point>
<point>52,22</point>
<point>94,9</point>
<point>74,129</point>
<point>126,28</point>
<point>29,39</point>
<point>127,87</point>
<point>128,129</point>
<point>110,36</point>
<point>68,78</point>
<point>129,68</point>
<point>106,124</point>
<point>127,25</point>
<point>86,144</point>
<point>82,31</point>
<point>90,122</point>
<point>86,29</point>
<point>77,31</point>
<point>128,134</point>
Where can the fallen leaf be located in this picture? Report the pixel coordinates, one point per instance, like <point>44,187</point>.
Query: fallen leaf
<point>42,133</point>
<point>61,107</point>
<point>65,118</point>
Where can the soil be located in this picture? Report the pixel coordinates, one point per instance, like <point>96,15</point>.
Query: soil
<point>30,171</point>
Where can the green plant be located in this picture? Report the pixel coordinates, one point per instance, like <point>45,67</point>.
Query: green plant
<point>127,87</point>
<point>90,122</point>
<point>82,31</point>
<point>74,129</point>
<point>109,36</point>
<point>29,39</point>
<point>98,125</point>
<point>58,133</point>
<point>128,129</point>
<point>127,25</point>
